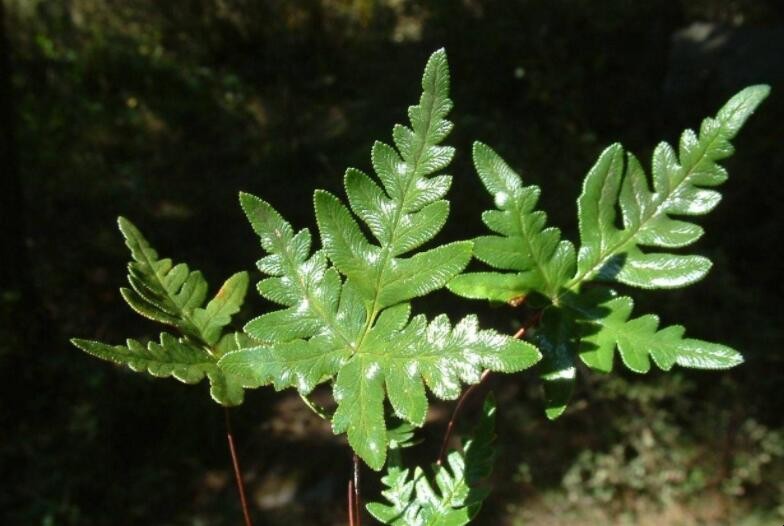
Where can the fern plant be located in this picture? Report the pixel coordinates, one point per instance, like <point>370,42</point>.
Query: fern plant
<point>628,231</point>
<point>344,314</point>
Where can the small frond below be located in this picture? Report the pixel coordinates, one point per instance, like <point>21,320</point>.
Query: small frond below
<point>457,494</point>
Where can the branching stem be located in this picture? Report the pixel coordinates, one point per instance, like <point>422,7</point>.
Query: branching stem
<point>237,470</point>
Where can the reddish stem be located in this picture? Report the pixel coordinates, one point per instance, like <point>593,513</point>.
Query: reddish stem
<point>351,506</point>
<point>237,470</point>
<point>462,400</point>
<point>450,426</point>
<point>357,498</point>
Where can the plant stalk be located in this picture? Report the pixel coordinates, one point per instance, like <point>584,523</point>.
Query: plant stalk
<point>357,497</point>
<point>237,470</point>
<point>461,402</point>
<point>350,500</point>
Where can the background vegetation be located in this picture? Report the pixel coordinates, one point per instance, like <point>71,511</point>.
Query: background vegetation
<point>163,111</point>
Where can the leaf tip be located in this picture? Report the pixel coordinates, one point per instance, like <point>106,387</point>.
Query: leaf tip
<point>553,413</point>
<point>127,228</point>
<point>739,108</point>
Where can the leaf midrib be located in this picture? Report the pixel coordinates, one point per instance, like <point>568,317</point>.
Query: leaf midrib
<point>522,226</point>
<point>387,250</point>
<point>326,317</point>
<point>632,233</point>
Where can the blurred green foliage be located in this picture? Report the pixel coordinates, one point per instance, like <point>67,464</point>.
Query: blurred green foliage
<point>168,109</point>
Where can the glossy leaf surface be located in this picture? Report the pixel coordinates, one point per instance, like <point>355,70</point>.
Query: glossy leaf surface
<point>607,325</point>
<point>630,227</point>
<point>404,212</point>
<point>682,186</point>
<point>346,315</point>
<point>521,242</point>
<point>321,333</point>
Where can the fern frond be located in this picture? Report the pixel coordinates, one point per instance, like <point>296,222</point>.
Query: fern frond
<point>591,323</point>
<point>456,497</point>
<point>401,357</point>
<point>173,294</point>
<point>542,260</point>
<point>682,186</point>
<point>406,213</point>
<point>358,330</point>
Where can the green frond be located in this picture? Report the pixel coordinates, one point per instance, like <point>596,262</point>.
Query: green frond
<point>174,295</point>
<point>457,495</point>
<point>682,186</point>
<point>357,330</point>
<point>541,260</point>
<point>406,211</point>
<point>401,357</point>
<point>607,325</point>
<point>302,282</point>
<point>633,248</point>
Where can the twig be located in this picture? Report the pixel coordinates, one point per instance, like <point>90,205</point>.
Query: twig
<point>462,400</point>
<point>237,470</point>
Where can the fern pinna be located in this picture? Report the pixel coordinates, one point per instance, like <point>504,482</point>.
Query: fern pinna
<point>346,316</point>
<point>174,295</point>
<point>633,249</point>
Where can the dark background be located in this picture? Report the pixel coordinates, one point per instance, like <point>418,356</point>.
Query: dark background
<point>163,111</point>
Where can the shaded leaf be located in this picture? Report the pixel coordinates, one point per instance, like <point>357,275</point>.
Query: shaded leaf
<point>174,295</point>
<point>455,496</point>
<point>170,357</point>
<point>556,337</point>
